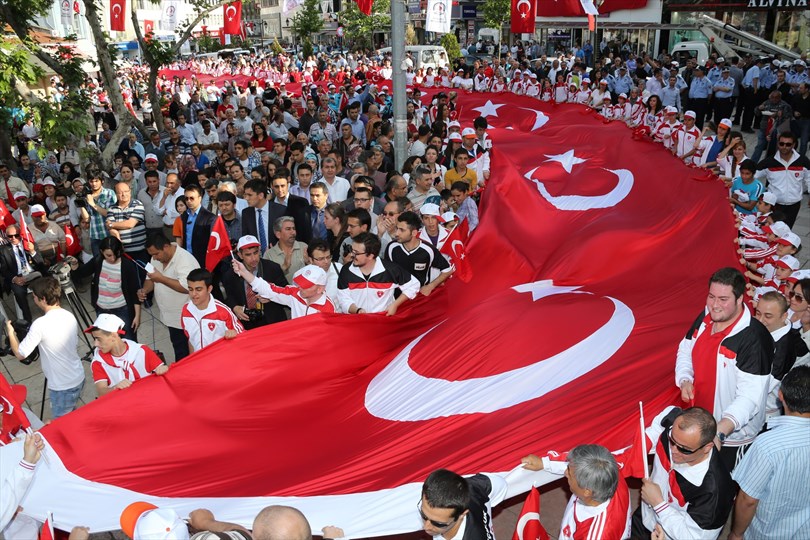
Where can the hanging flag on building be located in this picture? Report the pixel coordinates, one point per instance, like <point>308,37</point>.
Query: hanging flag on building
<point>232,17</point>
<point>118,9</point>
<point>169,16</point>
<point>437,18</point>
<point>67,13</point>
<point>523,14</point>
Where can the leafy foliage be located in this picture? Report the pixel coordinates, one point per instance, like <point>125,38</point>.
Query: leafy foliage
<point>359,28</point>
<point>307,21</point>
<point>496,14</point>
<point>410,35</point>
<point>450,44</point>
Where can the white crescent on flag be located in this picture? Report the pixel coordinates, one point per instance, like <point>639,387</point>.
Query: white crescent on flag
<point>588,202</point>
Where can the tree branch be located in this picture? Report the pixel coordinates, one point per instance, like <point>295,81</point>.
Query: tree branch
<point>21,30</point>
<point>200,16</point>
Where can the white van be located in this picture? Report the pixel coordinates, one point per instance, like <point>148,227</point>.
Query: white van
<point>424,56</point>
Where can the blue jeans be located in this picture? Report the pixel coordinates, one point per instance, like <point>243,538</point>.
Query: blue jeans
<point>64,401</point>
<point>802,129</point>
<point>764,145</point>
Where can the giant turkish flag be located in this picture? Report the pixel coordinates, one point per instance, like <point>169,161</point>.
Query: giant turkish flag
<point>590,260</point>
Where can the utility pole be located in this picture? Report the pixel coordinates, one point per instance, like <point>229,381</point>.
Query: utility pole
<point>398,60</point>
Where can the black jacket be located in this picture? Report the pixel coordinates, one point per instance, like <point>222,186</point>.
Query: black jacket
<point>235,292</point>
<point>274,211</point>
<point>298,209</point>
<point>200,234</point>
<point>8,264</point>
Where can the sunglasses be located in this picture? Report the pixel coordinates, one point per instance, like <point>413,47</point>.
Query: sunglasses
<point>437,524</point>
<point>785,144</point>
<point>17,236</point>
<point>797,296</point>
<point>680,448</point>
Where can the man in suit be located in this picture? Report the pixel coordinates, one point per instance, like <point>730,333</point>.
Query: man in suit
<point>199,220</point>
<point>240,296</point>
<point>262,212</point>
<point>297,207</point>
<point>15,264</point>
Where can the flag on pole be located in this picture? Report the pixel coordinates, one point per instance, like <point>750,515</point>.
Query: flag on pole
<point>633,462</point>
<point>14,419</point>
<point>454,248</point>
<point>528,525</point>
<point>47,532</point>
<point>523,15</point>
<point>232,17</point>
<point>438,16</point>
<point>148,28</point>
<point>170,14</point>
<point>219,245</point>
<point>365,6</point>
<point>73,245</point>
<point>118,9</point>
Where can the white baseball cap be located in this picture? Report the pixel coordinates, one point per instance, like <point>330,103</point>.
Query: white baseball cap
<point>468,132</point>
<point>430,209</point>
<point>20,195</point>
<point>310,276</point>
<point>788,261</point>
<point>145,521</point>
<point>768,198</point>
<point>38,210</point>
<point>247,241</point>
<point>690,114</point>
<point>108,323</point>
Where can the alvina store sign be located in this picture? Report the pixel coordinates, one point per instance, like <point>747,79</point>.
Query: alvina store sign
<point>777,4</point>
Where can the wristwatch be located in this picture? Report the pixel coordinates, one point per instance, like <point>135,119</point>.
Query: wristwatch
<point>721,437</point>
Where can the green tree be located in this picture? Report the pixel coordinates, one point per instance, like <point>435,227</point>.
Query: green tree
<point>410,35</point>
<point>359,28</point>
<point>60,124</point>
<point>308,20</point>
<point>496,15</point>
<point>450,44</point>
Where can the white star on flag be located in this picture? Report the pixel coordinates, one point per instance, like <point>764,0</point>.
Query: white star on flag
<point>567,160</point>
<point>489,109</point>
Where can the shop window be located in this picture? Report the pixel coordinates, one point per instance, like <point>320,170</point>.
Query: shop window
<point>792,30</point>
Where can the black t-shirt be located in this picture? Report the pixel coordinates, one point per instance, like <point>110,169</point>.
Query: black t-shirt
<point>417,262</point>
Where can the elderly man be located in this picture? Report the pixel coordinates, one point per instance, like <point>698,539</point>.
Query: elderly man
<point>126,221</point>
<point>239,295</point>
<point>48,236</point>
<point>288,253</point>
<point>599,508</point>
<point>774,501</point>
<point>773,113</point>
<point>690,492</point>
<point>735,391</point>
<point>17,267</point>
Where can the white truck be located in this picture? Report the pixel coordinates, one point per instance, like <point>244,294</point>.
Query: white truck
<point>728,41</point>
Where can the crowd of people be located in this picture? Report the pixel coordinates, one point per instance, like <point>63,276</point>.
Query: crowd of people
<point>321,220</point>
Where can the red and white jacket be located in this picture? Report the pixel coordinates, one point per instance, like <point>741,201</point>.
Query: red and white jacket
<point>203,327</point>
<point>137,362</point>
<point>289,296</point>
<point>685,140</point>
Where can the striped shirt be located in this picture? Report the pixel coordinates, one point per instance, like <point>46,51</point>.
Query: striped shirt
<point>110,295</point>
<point>134,239</point>
<point>776,472</point>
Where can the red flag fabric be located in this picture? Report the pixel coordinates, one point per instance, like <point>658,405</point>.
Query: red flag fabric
<point>575,224</point>
<point>453,247</point>
<point>222,38</point>
<point>632,462</point>
<point>365,6</point>
<point>232,17</point>
<point>47,532</point>
<point>6,218</point>
<point>118,9</point>
<point>523,15</point>
<point>72,239</point>
<point>528,526</point>
<point>11,400</point>
<point>219,246</point>
<point>148,27</point>
<point>26,236</point>
<point>574,8</point>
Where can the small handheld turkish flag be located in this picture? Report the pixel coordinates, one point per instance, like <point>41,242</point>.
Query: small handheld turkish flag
<point>454,248</point>
<point>219,245</point>
<point>47,532</point>
<point>528,525</point>
<point>14,419</point>
<point>523,14</point>
<point>26,236</point>
<point>6,218</point>
<point>72,240</point>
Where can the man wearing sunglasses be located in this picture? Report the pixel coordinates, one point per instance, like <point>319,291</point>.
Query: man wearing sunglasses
<point>456,508</point>
<point>724,364</point>
<point>690,492</point>
<point>788,175</point>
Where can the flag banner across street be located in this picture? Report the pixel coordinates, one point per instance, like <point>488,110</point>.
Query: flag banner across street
<point>591,259</point>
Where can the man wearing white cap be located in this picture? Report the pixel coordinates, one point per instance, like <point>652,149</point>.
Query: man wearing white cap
<point>240,297</point>
<point>306,297</point>
<point>686,138</point>
<point>48,236</point>
<point>23,210</point>
<point>431,231</point>
<point>479,157</point>
<point>119,362</point>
